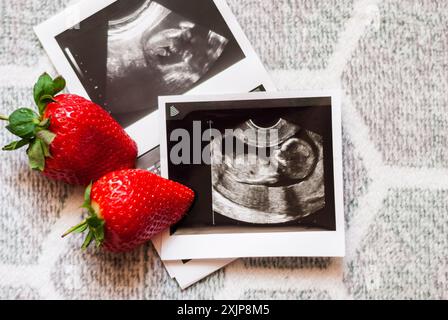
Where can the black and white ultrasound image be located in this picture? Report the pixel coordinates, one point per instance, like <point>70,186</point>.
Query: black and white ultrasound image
<point>284,181</point>
<point>133,51</point>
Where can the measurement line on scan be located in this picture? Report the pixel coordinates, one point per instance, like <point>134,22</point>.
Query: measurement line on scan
<point>211,159</point>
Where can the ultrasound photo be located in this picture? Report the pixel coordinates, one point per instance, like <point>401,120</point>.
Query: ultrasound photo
<point>271,165</point>
<point>285,184</point>
<point>133,51</point>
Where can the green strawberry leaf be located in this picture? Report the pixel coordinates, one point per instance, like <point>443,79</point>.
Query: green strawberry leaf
<point>22,115</point>
<point>58,85</point>
<point>46,136</point>
<point>30,125</point>
<point>80,228</point>
<point>87,194</point>
<point>36,155</point>
<point>45,124</point>
<point>43,101</point>
<point>87,241</point>
<point>43,86</point>
<point>47,98</point>
<point>25,130</point>
<point>96,226</point>
<point>45,149</point>
<point>45,89</point>
<point>23,123</point>
<point>87,201</point>
<point>16,145</point>
<point>41,105</point>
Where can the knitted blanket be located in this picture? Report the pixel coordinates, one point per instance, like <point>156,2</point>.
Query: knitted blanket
<point>390,60</point>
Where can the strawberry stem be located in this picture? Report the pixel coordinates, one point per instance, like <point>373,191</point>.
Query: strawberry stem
<point>93,223</point>
<point>76,229</point>
<point>4,118</point>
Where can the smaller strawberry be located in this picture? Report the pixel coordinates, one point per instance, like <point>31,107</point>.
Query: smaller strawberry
<point>128,207</point>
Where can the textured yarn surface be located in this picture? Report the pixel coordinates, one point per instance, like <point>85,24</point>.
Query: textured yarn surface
<point>389,58</point>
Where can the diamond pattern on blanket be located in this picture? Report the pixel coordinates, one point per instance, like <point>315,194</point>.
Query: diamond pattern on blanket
<point>404,255</point>
<point>16,28</point>
<point>302,35</point>
<point>287,263</point>
<point>98,274</point>
<point>395,75</point>
<point>398,81</point>
<point>356,179</point>
<point>18,293</point>
<point>205,289</point>
<point>286,295</point>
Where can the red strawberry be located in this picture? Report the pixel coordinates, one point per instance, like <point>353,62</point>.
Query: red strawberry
<point>128,207</point>
<point>71,139</point>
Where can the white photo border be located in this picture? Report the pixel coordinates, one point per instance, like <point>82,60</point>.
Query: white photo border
<point>274,244</point>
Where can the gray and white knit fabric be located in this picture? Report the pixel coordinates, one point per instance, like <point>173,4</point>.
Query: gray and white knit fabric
<point>389,58</point>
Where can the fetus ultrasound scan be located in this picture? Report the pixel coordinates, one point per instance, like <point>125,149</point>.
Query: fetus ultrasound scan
<point>270,164</point>
<point>133,51</point>
<point>285,184</point>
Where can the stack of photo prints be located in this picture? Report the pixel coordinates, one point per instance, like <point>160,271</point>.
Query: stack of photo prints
<point>183,79</point>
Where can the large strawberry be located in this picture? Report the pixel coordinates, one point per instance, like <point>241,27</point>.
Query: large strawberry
<point>71,139</point>
<point>128,207</point>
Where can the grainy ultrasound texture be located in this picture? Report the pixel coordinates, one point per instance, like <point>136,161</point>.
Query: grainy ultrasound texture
<point>280,178</point>
<point>160,48</point>
<point>131,52</point>
<point>389,57</point>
